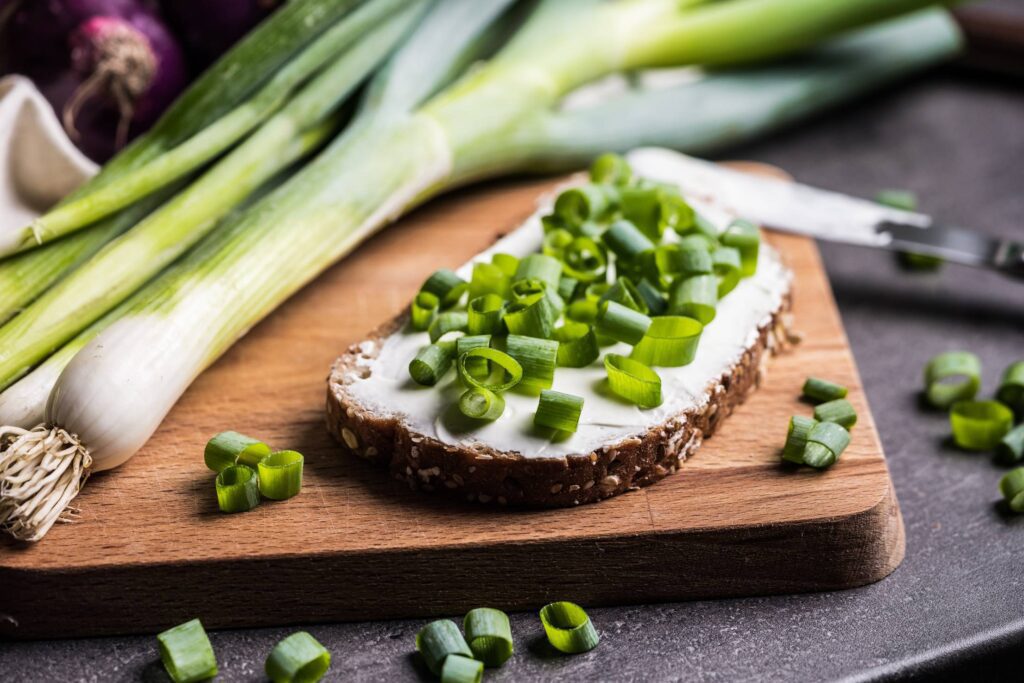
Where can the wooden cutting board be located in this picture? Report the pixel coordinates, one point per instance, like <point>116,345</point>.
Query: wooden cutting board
<point>152,550</point>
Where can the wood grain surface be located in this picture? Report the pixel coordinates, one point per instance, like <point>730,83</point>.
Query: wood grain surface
<point>152,550</point>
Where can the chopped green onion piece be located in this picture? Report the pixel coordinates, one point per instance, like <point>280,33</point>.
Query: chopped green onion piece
<point>622,323</point>
<point>701,231</point>
<point>507,262</point>
<point>512,371</point>
<point>484,314</point>
<point>577,344</point>
<point>459,669</point>
<point>439,639</point>
<point>839,411</point>
<point>582,311</point>
<point>567,287</point>
<point>488,278</point>
<point>532,316</point>
<point>1012,487</point>
<point>423,310</point>
<point>299,658</point>
<point>694,261</point>
<point>897,199</point>
<point>695,297</point>
<point>612,169</point>
<point>481,404</point>
<point>568,628</point>
<point>431,363</point>
<point>446,286</point>
<point>670,341</point>
<point>633,381</point>
<point>449,321</point>
<point>625,292</point>
<point>558,411</point>
<point>229,448</point>
<point>796,438</point>
<point>238,489</point>
<point>595,291</point>
<point>745,236</point>
<point>727,266</point>
<point>626,241</point>
<point>537,358</point>
<point>586,202</point>
<point>825,443</point>
<point>539,267</point>
<point>1011,388</point>
<point>952,376</point>
<point>980,425</point>
<point>654,208</point>
<point>555,242</point>
<point>489,634</point>
<point>186,653</point>
<point>817,389</point>
<point>1011,447</point>
<point>584,260</point>
<point>476,366</point>
<point>655,301</point>
<point>281,475</point>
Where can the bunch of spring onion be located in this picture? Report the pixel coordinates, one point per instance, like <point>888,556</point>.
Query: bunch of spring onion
<point>422,128</point>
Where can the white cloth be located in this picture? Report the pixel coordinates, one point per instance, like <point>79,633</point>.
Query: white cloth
<point>38,163</point>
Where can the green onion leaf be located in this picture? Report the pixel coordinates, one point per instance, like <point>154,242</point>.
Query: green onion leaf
<point>449,321</point>
<point>237,489</point>
<point>507,262</point>
<point>488,278</point>
<point>1012,487</point>
<point>281,475</point>
<point>423,310</point>
<point>952,376</point>
<point>439,639</point>
<point>839,411</point>
<point>446,286</point>
<point>511,370</point>
<point>727,266</point>
<point>484,315</point>
<point>558,411</point>
<point>796,438</point>
<point>299,658</point>
<point>489,634</point>
<point>547,269</point>
<point>537,358</point>
<point>431,363</point>
<point>459,669</point>
<point>626,241</point>
<point>744,236</point>
<point>825,443</point>
<point>1011,388</point>
<point>621,323</point>
<point>584,260</point>
<point>577,344</point>
<point>980,425</point>
<point>611,169</point>
<point>633,381</point>
<point>670,341</point>
<point>568,628</point>
<point>229,448</point>
<point>481,404</point>
<point>1011,448</point>
<point>577,205</point>
<point>695,297</point>
<point>821,390</point>
<point>186,653</point>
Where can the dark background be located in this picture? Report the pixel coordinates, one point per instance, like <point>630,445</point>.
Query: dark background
<point>954,608</point>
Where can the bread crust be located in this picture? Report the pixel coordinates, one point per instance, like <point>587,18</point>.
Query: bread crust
<point>485,475</point>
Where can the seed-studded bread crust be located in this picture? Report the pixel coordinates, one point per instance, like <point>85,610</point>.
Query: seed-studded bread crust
<point>480,473</point>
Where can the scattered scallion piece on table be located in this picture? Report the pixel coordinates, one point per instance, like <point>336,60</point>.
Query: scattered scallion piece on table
<point>1011,447</point>
<point>238,489</point>
<point>952,376</point>
<point>568,628</point>
<point>437,641</point>
<point>796,438</point>
<point>633,381</point>
<point>822,390</point>
<point>839,411</point>
<point>670,341</point>
<point>280,475</point>
<point>1012,487</point>
<point>459,669</point>
<point>1011,388</point>
<point>431,363</point>
<point>826,441</point>
<point>481,404</point>
<point>299,658</point>
<point>489,635</point>
<point>230,448</point>
<point>511,369</point>
<point>187,653</point>
<point>558,411</point>
<point>979,425</point>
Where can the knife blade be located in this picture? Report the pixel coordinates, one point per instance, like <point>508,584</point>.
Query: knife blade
<point>831,216</point>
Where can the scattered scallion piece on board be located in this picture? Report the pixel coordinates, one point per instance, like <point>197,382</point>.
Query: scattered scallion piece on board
<point>1011,447</point>
<point>839,411</point>
<point>670,341</point>
<point>280,475</point>
<point>796,438</point>
<point>481,404</point>
<point>299,658</point>
<point>577,345</point>
<point>822,390</point>
<point>1012,487</point>
<point>952,376</point>
<point>826,441</point>
<point>568,628</point>
<point>238,489</point>
<point>537,357</point>
<point>431,363</point>
<point>1011,388</point>
<point>446,286</point>
<point>622,323</point>
<point>979,425</point>
<point>745,237</point>
<point>230,448</point>
<point>187,653</point>
<point>558,411</point>
<point>423,310</point>
<point>633,381</point>
<point>439,639</point>
<point>512,370</point>
<point>489,635</point>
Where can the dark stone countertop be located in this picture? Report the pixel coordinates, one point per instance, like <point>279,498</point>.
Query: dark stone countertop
<point>955,606</point>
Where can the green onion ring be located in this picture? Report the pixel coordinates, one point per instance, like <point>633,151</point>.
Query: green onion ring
<point>478,367</point>
<point>230,448</point>
<point>582,203</point>
<point>577,344</point>
<point>281,475</point>
<point>507,262</point>
<point>746,237</point>
<point>459,669</point>
<point>446,286</point>
<point>695,297</point>
<point>423,310</point>
<point>439,639</point>
<point>481,404</point>
<point>532,317</point>
<point>568,628</point>
<point>727,266</point>
<point>489,634</point>
<point>1011,485</point>
<point>623,291</point>
<point>538,358</point>
<point>558,411</point>
<point>952,376</point>
<point>633,381</point>
<point>186,653</point>
<point>555,242</point>
<point>237,489</point>
<point>1011,447</point>
<point>431,363</point>
<point>299,658</point>
<point>839,411</point>
<point>622,323</point>
<point>611,169</point>
<point>826,441</point>
<point>449,321</point>
<point>626,240</point>
<point>584,260</point>
<point>488,278</point>
<point>796,438</point>
<point>670,341</point>
<point>979,425</point>
<point>653,298</point>
<point>1011,388</point>
<point>499,358</point>
<point>822,390</point>
<point>484,315</point>
<point>539,267</point>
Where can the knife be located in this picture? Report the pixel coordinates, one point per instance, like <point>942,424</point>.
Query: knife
<point>831,216</point>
